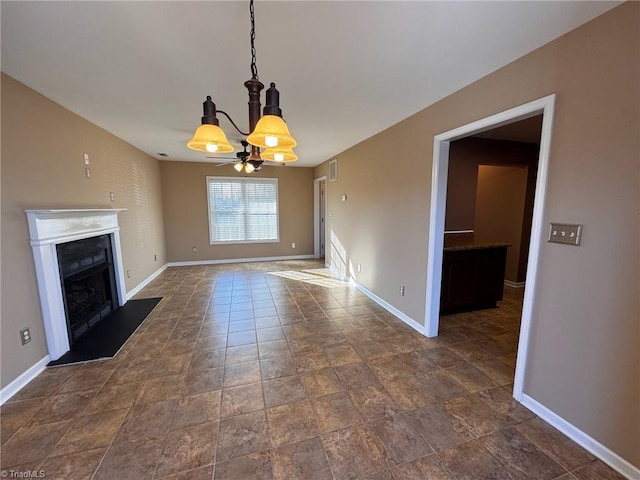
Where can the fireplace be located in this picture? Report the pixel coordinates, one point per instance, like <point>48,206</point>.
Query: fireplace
<point>79,269</point>
<point>88,283</point>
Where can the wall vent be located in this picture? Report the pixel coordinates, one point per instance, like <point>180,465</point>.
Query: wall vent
<point>333,170</point>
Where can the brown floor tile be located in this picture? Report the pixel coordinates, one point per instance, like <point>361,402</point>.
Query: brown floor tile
<point>400,435</point>
<point>520,455</point>
<point>196,409</point>
<point>429,467</point>
<point>41,386</point>
<point>270,334</point>
<point>241,338</point>
<point>91,432</point>
<point>241,325</point>
<point>205,359</point>
<point>388,368</point>
<point>75,466</point>
<point>438,427</point>
<point>334,412</point>
<point>470,461</point>
<point>498,371</point>
<point>188,448</point>
<point>470,377</point>
<point>130,460</point>
<point>87,380</point>
<point>500,400</point>
<point>443,387</point>
<point>373,402</point>
<point>309,362</point>
<point>277,367</point>
<point>321,382</point>
<point>160,389</point>
<point>170,365</point>
<point>303,460</point>
<point>131,370</point>
<point>31,444</point>
<point>241,354</point>
<point>354,452</point>
<point>276,348</point>
<point>356,375</point>
<point>147,420</point>
<point>14,415</point>
<point>201,381</point>
<point>370,349</point>
<point>283,390</point>
<point>63,406</point>
<point>242,435</point>
<point>202,473</point>
<point>114,397</point>
<point>442,357</point>
<point>342,355</point>
<point>471,418</point>
<point>242,399</point>
<point>596,470</point>
<point>255,466</point>
<point>563,450</point>
<point>241,374</point>
<point>291,423</point>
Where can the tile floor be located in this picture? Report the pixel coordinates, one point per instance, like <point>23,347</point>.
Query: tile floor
<point>242,373</point>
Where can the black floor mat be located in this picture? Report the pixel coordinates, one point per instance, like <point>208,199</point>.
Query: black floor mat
<point>110,334</point>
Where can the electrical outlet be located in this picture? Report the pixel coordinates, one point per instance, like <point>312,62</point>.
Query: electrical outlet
<point>293,245</point>
<point>87,172</point>
<point>25,336</point>
<point>402,290</point>
<point>112,196</point>
<point>195,249</point>
<point>128,273</point>
<point>86,158</point>
<point>359,267</point>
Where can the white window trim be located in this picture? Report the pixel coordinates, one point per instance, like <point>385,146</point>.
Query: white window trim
<point>245,179</point>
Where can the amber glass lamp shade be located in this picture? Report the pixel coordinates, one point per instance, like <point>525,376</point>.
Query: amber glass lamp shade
<point>279,155</point>
<point>210,138</point>
<point>271,131</point>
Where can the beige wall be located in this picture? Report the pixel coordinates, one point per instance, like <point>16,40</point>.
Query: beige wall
<point>184,195</point>
<point>43,167</point>
<point>584,361</point>
<point>499,209</point>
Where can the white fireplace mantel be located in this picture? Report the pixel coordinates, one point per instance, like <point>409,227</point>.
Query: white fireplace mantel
<point>48,228</point>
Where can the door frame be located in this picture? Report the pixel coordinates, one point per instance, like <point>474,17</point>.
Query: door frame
<point>316,216</point>
<point>441,142</point>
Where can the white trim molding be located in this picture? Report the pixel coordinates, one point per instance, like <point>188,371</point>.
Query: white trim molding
<point>441,142</point>
<point>239,260</point>
<point>612,459</point>
<point>390,308</point>
<point>511,284</point>
<point>25,377</point>
<point>146,282</point>
<point>48,228</point>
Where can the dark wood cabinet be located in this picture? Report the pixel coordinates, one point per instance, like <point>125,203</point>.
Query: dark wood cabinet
<point>472,279</point>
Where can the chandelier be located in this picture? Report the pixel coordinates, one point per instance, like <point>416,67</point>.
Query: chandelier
<point>268,131</point>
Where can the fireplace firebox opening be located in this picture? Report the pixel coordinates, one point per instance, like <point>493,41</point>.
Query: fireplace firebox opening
<point>88,281</point>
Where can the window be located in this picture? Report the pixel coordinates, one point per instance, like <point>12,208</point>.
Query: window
<point>242,210</point>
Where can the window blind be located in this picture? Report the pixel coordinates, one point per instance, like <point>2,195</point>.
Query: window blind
<point>242,210</point>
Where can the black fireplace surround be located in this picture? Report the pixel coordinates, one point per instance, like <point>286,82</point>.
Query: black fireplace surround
<point>88,282</point>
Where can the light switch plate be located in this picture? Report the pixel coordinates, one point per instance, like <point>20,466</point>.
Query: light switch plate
<point>566,233</point>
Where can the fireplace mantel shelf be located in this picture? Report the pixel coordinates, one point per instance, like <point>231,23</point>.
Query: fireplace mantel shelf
<point>62,225</point>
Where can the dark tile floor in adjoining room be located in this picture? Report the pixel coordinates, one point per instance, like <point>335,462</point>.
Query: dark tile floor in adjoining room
<point>242,373</point>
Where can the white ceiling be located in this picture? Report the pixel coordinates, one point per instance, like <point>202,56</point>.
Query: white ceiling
<point>345,70</point>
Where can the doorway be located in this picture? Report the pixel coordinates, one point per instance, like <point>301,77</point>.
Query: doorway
<point>319,215</point>
<point>545,107</point>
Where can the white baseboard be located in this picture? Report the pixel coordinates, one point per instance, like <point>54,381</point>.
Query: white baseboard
<point>146,282</point>
<point>390,308</point>
<point>509,283</point>
<point>14,387</point>
<point>588,443</point>
<point>239,260</point>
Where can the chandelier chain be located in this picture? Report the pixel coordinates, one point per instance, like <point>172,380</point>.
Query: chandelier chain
<point>254,67</point>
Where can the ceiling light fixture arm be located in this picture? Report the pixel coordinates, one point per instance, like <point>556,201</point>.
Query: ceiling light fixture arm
<point>232,122</point>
